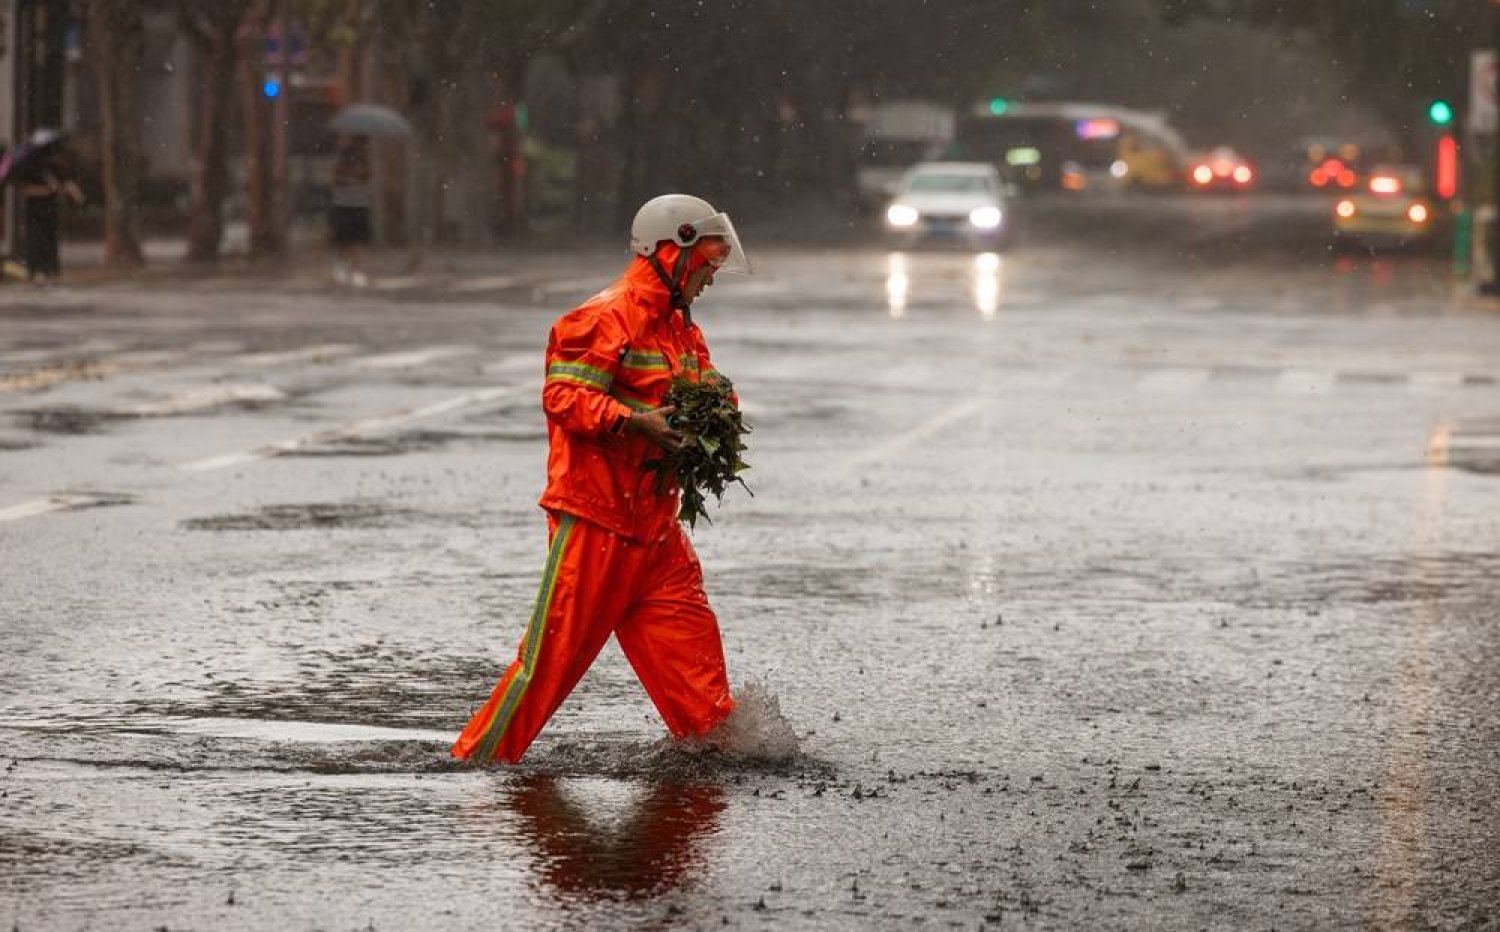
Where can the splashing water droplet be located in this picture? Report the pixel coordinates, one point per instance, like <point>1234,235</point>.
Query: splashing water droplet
<point>755,730</point>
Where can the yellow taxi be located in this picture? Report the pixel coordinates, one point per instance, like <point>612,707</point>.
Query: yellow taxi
<point>1392,208</point>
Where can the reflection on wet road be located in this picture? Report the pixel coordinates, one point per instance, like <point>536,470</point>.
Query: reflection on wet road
<point>594,845</point>
<point>1098,594</point>
<point>987,277</point>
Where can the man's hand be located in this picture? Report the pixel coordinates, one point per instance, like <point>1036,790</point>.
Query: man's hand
<point>653,426</point>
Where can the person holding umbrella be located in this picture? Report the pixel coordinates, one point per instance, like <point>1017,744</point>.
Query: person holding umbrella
<point>349,211</point>
<point>349,214</point>
<point>35,165</point>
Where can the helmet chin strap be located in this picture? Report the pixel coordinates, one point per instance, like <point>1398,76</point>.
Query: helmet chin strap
<point>674,282</point>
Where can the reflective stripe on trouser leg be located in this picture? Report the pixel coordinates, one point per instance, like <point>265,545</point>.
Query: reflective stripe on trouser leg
<point>502,705</point>
<point>671,639</point>
<point>585,593</point>
<point>535,632</point>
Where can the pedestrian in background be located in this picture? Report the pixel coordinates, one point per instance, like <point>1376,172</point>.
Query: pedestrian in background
<point>620,563</point>
<point>349,211</point>
<point>43,183</point>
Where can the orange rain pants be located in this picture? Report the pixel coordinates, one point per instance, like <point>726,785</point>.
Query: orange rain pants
<point>650,596</point>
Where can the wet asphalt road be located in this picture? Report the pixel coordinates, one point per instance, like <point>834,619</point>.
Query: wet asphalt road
<point>1101,588</point>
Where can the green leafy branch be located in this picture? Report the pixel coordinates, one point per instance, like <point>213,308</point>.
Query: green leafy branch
<point>708,461</point>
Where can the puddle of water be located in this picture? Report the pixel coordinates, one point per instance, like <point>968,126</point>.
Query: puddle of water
<point>1377,580</point>
<point>299,517</point>
<point>66,420</point>
<point>416,441</point>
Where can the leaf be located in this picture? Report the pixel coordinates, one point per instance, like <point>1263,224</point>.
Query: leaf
<point>710,462</point>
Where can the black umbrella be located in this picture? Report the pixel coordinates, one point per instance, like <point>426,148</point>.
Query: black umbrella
<point>41,141</point>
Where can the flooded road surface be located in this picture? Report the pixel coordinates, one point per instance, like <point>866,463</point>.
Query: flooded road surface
<point>1071,595</point>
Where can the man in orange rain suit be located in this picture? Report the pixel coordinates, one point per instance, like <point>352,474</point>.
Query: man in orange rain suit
<point>619,562</point>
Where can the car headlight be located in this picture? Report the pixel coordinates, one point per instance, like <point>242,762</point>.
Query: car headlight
<point>985,218</point>
<point>901,215</point>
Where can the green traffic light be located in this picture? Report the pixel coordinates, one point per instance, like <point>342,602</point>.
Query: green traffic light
<point>1440,112</point>
<point>999,105</point>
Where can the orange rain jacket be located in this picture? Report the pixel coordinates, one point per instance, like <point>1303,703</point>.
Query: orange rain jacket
<point>614,355</point>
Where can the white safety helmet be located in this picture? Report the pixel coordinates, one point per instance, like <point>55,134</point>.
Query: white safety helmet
<point>684,220</point>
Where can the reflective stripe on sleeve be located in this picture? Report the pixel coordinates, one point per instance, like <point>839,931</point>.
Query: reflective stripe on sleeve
<point>634,404</point>
<point>580,374</point>
<point>644,360</point>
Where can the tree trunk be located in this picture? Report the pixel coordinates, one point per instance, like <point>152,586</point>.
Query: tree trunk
<point>215,42</point>
<point>266,239</point>
<point>116,33</point>
<point>395,170</point>
<point>350,38</point>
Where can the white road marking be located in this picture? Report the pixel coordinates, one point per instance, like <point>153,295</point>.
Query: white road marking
<point>61,502</point>
<point>1464,441</point>
<point>140,359</point>
<point>316,353</point>
<point>1434,381</point>
<point>1304,382</point>
<point>486,283</point>
<point>399,282</point>
<point>1172,381</point>
<point>367,426</point>
<point>1037,378</point>
<point>928,428</point>
<point>283,730</point>
<point>515,362</point>
<point>588,285</point>
<point>206,398</point>
<point>29,509</point>
<point>409,358</point>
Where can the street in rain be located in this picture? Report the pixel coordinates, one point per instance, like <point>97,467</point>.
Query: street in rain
<point>1085,513</point>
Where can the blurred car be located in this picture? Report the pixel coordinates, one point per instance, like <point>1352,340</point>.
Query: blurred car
<point>1393,208</point>
<point>1222,169</point>
<point>950,201</point>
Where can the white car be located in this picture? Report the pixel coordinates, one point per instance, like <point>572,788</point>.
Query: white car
<point>961,202</point>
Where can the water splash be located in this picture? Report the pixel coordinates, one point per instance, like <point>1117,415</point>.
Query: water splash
<point>755,738</point>
<point>755,731</point>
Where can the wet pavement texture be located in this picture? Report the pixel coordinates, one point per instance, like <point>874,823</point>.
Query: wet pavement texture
<point>1098,592</point>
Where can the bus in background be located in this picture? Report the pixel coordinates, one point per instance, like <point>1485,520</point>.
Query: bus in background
<point>1074,146</point>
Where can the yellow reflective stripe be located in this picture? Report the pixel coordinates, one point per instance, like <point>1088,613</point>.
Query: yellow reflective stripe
<point>687,362</point>
<point>516,688</point>
<point>580,373</point>
<point>643,359</point>
<point>634,404</point>
<point>576,380</point>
